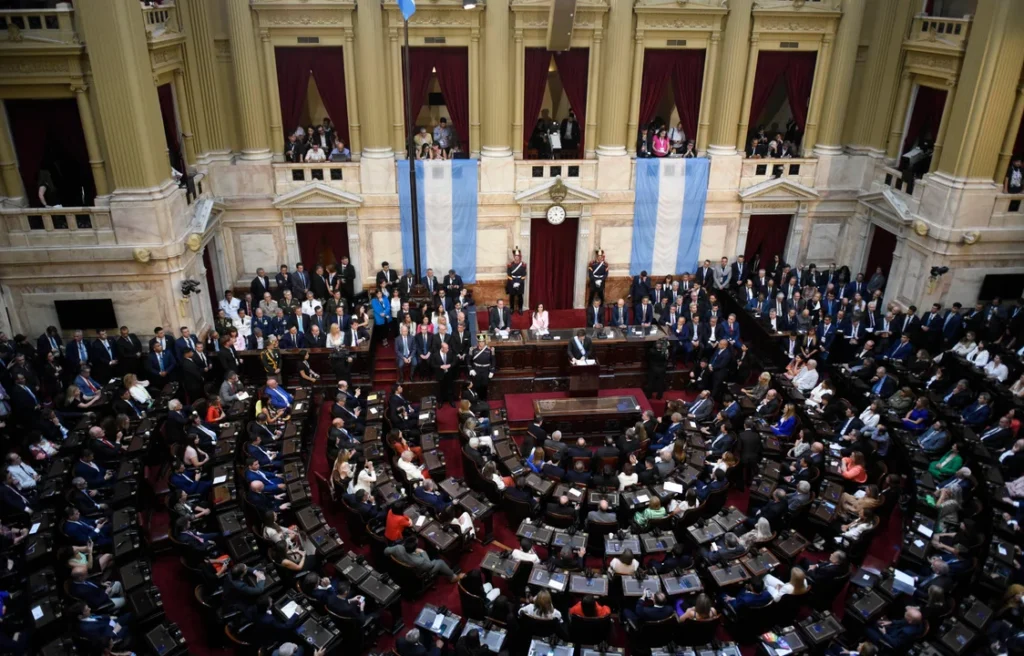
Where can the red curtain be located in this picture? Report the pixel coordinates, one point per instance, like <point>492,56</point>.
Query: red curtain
<point>658,65</point>
<point>322,243</point>
<point>211,289</point>
<point>573,67</point>
<point>170,120</point>
<point>536,81</point>
<point>883,245</point>
<point>452,70</point>
<point>552,284</point>
<point>766,237</point>
<point>925,117</point>
<point>771,66</point>
<point>1018,145</point>
<point>799,80</point>
<point>329,73</point>
<point>48,136</point>
<point>687,85</point>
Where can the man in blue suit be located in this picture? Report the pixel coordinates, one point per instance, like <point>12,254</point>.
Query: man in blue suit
<point>263,500</point>
<point>279,397</point>
<point>254,472</point>
<point>93,474</point>
<point>293,339</point>
<point>898,635</point>
<point>97,629</point>
<point>189,482</point>
<point>85,499</point>
<point>935,439</point>
<point>826,335</point>
<point>901,351</point>
<point>433,497</point>
<point>718,482</point>
<point>651,607</point>
<point>183,343</point>
<point>109,594</point>
<point>81,530</point>
<point>978,412</point>
<point>12,502</point>
<point>85,382</point>
<point>103,356</point>
<point>620,315</point>
<point>160,365</point>
<point>49,341</point>
<point>643,313</point>
<point>77,353</point>
<point>883,385</point>
<point>753,595</point>
<point>405,356</point>
<point>952,326</point>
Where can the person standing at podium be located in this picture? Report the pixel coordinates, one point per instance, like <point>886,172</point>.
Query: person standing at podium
<point>580,348</point>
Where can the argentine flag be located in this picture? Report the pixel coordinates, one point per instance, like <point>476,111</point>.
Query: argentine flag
<point>446,198</point>
<point>407,7</point>
<point>668,214</point>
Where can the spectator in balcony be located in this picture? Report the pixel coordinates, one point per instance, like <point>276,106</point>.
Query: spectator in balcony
<point>757,150</point>
<point>47,190</point>
<point>677,139</point>
<point>773,149</point>
<point>422,139</point>
<point>660,143</point>
<point>423,152</point>
<point>436,152</point>
<point>787,151</point>
<point>322,138</point>
<point>643,144</point>
<point>444,137</point>
<point>341,153</point>
<point>1014,181</point>
<point>293,150</point>
<point>328,129</point>
<point>539,139</point>
<point>316,153</point>
<point>690,150</point>
<point>570,132</point>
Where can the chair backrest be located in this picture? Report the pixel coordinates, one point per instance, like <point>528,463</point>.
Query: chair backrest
<point>714,503</point>
<point>596,532</point>
<point>661,523</point>
<point>557,520</point>
<point>610,461</point>
<point>473,607</point>
<point>585,460</point>
<point>550,453</point>
<point>697,632</point>
<point>660,632</point>
<point>589,630</point>
<point>540,628</point>
<point>517,509</point>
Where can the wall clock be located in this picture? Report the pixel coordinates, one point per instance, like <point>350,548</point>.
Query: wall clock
<point>556,215</point>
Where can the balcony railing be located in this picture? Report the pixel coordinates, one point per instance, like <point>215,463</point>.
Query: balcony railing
<point>56,226</point>
<point>1008,211</point>
<point>341,176</point>
<point>801,171</point>
<point>160,19</point>
<point>951,32</point>
<point>39,25</point>
<point>533,172</point>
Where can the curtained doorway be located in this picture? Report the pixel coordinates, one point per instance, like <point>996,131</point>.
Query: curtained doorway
<point>883,245</point>
<point>553,263</point>
<point>172,131</point>
<point>211,287</point>
<point>766,238</point>
<point>322,243</point>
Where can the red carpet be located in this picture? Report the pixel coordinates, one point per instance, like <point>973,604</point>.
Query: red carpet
<point>520,406</point>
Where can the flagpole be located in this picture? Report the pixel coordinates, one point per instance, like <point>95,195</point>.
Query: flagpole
<point>410,152</point>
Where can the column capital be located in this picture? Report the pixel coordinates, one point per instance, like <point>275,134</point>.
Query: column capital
<point>598,35</point>
<point>392,33</point>
<point>716,37</point>
<point>951,83</point>
<point>264,35</point>
<point>828,38</point>
<point>474,33</point>
<point>79,87</point>
<point>518,34</point>
<point>640,37</point>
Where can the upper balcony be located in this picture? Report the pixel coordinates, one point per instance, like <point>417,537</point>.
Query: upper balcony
<point>948,33</point>
<point>801,170</point>
<point>56,227</point>
<point>340,176</point>
<point>531,172</point>
<point>39,29</point>
<point>161,20</point>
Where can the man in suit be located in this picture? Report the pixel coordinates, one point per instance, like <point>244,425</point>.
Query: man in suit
<point>706,275</point>
<point>293,339</point>
<point>279,397</point>
<point>226,356</point>
<point>452,283</point>
<point>97,629</point>
<point>404,354</point>
<point>978,412</point>
<point>106,595</point>
<point>318,320</point>
<point>897,635</point>
<point>49,341</point>
<point>958,396</point>
<point>435,498</point>
<point>283,280</point>
<point>580,347</point>
<point>723,442</point>
<point>722,274</point>
<point>729,548</point>
<point>315,338</point>
<point>740,272</point>
<point>442,336</point>
<point>640,288</point>
<point>700,409</point>
<point>935,439</point>
<point>556,444</point>
<point>443,364</point>
<point>719,363</point>
<point>386,276</point>
<point>300,281</point>
<point>500,317</point>
<point>192,376</point>
<point>260,285</point>
<point>76,354</point>
<point>535,435</point>
<point>952,326</point>
<point>651,607</point>
<point>191,483</point>
<point>998,437</point>
<point>129,351</point>
<point>821,573</point>
<point>643,313</point>
<point>595,315</point>
<point>882,385</point>
<point>318,283</point>
<point>774,511</point>
<point>751,449</point>
<point>103,356</point>
<point>619,314</point>
<point>430,282</point>
<point>413,644</point>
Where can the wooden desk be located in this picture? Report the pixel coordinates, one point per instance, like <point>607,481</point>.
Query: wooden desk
<point>319,360</point>
<point>590,414</point>
<point>549,355</point>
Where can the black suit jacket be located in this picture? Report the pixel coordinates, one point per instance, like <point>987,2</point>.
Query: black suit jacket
<point>435,364</point>
<point>506,314</point>
<point>258,287</point>
<point>574,350</point>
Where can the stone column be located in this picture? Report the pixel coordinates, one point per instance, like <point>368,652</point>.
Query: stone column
<point>277,129</point>
<point>710,66</point>
<point>633,127</point>
<point>351,98</point>
<point>251,119</point>
<point>614,135</point>
<point>899,116</point>
<point>184,115</point>
<point>740,138</point>
<point>1010,138</point>
<point>206,92</point>
<point>9,174</point>
<point>593,94</point>
<point>840,78</point>
<point>821,72</point>
<point>92,145</point>
<point>947,110</point>
<point>475,82</point>
<point>126,97</point>
<point>496,122</point>
<point>729,85</point>
<point>400,137</point>
<point>986,92</point>
<point>518,99</point>
<point>373,102</point>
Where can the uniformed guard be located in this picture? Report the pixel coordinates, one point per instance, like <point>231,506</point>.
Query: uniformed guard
<point>597,274</point>
<point>515,286</point>
<point>481,365</point>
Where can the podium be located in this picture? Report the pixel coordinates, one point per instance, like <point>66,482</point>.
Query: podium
<point>584,379</point>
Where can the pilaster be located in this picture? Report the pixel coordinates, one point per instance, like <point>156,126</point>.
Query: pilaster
<point>899,116</point>
<point>92,146</point>
<point>184,115</point>
<point>400,137</point>
<point>729,85</point>
<point>351,94</point>
<point>614,135</point>
<point>1010,137</point>
<point>517,103</point>
<point>710,67</point>
<point>201,61</point>
<point>821,73</point>
<point>14,189</point>
<point>740,138</point>
<point>947,111</point>
<point>277,130</point>
<point>251,119</point>
<point>126,96</point>
<point>875,112</point>
<point>474,93</point>
<point>372,93</point>
<point>840,79</point>
<point>594,90</point>
<point>496,134</point>
<point>633,128</point>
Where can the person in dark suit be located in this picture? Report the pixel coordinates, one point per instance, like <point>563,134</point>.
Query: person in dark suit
<point>293,339</point>
<point>335,596</point>
<point>619,315</point>
<point>751,449</point>
<point>129,351</point>
<point>723,442</point>
<point>413,645</point>
<point>49,341</point>
<point>649,608</point>
<point>753,595</point>
<point>897,635</point>
<point>161,365</point>
<point>260,284</point>
<point>774,511</point>
<point>535,435</point>
<point>431,283</point>
<point>580,347</point>
<point>596,315</point>
<point>640,287</point>
<point>315,338</point>
<point>499,317</point>
<point>102,596</point>
<point>192,376</point>
<point>578,474</point>
<point>362,503</point>
<point>80,530</point>
<point>97,629</point>
<point>300,281</point>
<point>443,364</point>
<point>76,354</point>
<point>822,573</point>
<point>729,549</point>
<point>227,357</point>
<point>103,356</point>
<point>429,494</point>
<point>452,283</point>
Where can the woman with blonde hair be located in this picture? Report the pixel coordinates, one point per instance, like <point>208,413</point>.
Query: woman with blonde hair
<point>758,391</point>
<point>796,586</point>
<point>541,607</point>
<point>761,533</point>
<point>341,475</point>
<point>137,388</point>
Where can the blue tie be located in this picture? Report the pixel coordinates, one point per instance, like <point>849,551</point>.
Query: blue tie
<point>35,401</point>
<point>81,352</point>
<point>160,359</point>
<point>878,385</point>
<point>106,345</point>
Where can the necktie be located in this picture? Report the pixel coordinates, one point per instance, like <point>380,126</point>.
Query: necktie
<point>53,344</point>
<point>106,345</point>
<point>81,352</point>
<point>34,400</point>
<point>878,385</point>
<point>160,359</point>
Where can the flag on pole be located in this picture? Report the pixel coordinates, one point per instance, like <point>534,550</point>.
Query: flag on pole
<point>446,203</point>
<point>668,214</point>
<point>407,7</point>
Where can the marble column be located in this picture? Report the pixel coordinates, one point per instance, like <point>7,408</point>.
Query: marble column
<point>878,91</point>
<point>475,83</point>
<point>740,137</point>
<point>840,78</point>
<point>614,134</point>
<point>519,52</point>
<point>496,123</point>
<point>276,129</point>
<point>126,97</point>
<point>1010,138</point>
<point>351,94</point>
<point>184,116</point>
<point>593,94</point>
<point>9,174</point>
<point>821,73</point>
<point>92,145</point>
<point>729,85</point>
<point>251,100</point>
<point>899,115</point>
<point>207,117</point>
<point>710,66</point>
<point>633,127</point>
<point>400,136</point>
<point>986,91</point>
<point>373,104</point>
<point>947,110</point>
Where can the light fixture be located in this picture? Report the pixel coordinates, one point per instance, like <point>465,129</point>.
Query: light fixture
<point>469,4</point>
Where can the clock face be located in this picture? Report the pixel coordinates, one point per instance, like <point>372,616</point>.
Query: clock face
<point>556,215</point>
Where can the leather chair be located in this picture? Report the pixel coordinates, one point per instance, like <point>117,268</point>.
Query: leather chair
<point>714,503</point>
<point>412,582</point>
<point>647,635</point>
<point>697,632</point>
<point>473,607</point>
<point>595,536</point>
<point>516,510</point>
<point>539,628</point>
<point>589,630</point>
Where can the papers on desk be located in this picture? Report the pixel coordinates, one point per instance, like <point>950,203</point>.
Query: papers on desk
<point>503,333</point>
<point>903,582</point>
<point>541,332</point>
<point>557,582</point>
<point>424,416</point>
<point>586,362</point>
<point>919,544</point>
<point>573,492</point>
<point>290,609</point>
<point>438,622</point>
<point>220,479</point>
<point>298,407</point>
<point>642,498</point>
<point>673,487</point>
<point>421,520</point>
<point>37,613</point>
<point>835,447</point>
<point>924,530</point>
<point>34,529</point>
<point>557,337</point>
<point>1002,549</point>
<point>493,594</point>
<point>860,494</point>
<point>242,396</point>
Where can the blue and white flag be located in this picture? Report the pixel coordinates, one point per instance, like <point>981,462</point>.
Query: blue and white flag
<point>407,7</point>
<point>446,198</point>
<point>668,214</point>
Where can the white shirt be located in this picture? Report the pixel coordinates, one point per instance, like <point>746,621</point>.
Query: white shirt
<point>309,307</point>
<point>806,379</point>
<point>498,481</point>
<point>625,480</point>
<point>963,349</point>
<point>316,155</point>
<point>814,400</point>
<point>23,476</point>
<point>520,555</point>
<point>978,357</point>
<point>619,567</point>
<point>364,481</point>
<point>997,371</point>
<point>412,471</point>
<point>244,326</point>
<point>869,418</point>
<point>230,308</point>
<point>335,342</point>
<point>139,393</point>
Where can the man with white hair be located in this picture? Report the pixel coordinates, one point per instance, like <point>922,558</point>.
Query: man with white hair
<point>800,498</point>
<point>555,443</point>
<point>807,377</point>
<point>412,645</point>
<point>412,471</point>
<point>602,513</point>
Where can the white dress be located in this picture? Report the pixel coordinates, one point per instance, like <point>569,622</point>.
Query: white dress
<point>335,342</point>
